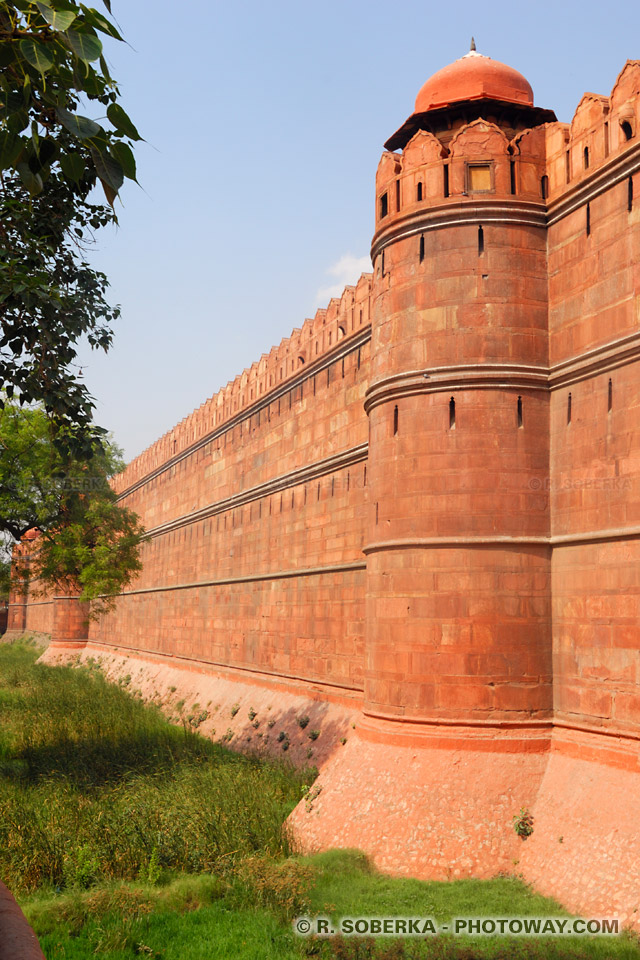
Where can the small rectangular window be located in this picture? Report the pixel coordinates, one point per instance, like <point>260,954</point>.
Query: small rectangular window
<point>384,205</point>
<point>446,179</point>
<point>479,178</point>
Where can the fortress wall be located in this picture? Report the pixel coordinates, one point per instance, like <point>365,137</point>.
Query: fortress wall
<point>40,616</point>
<point>254,559</point>
<point>285,436</point>
<point>594,274</point>
<point>306,346</point>
<point>495,540</point>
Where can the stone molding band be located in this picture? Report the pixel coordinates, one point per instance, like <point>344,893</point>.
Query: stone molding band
<point>473,376</point>
<point>477,376</point>
<point>496,724</point>
<point>228,667</point>
<point>592,363</point>
<point>251,578</point>
<point>563,540</point>
<point>611,174</point>
<point>522,213</point>
<point>294,478</point>
<point>492,726</point>
<point>427,543</point>
<point>346,346</point>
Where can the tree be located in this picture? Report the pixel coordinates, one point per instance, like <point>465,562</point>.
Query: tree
<point>87,543</point>
<point>51,157</point>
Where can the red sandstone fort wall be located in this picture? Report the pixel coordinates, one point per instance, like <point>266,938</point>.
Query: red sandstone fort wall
<point>426,502</point>
<point>594,483</point>
<point>256,518</point>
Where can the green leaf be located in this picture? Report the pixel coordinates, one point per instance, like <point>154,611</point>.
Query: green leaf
<point>7,53</point>
<point>48,151</point>
<point>36,54</point>
<point>85,46</point>
<point>81,127</point>
<point>105,70</point>
<point>73,166</point>
<point>122,122</point>
<point>18,120</point>
<point>10,147</point>
<point>95,19</point>
<point>57,19</point>
<point>11,101</point>
<point>124,156</point>
<point>31,180</point>
<point>108,169</point>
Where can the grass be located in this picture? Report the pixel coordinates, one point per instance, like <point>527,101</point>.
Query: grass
<point>95,786</point>
<point>346,886</point>
<point>124,836</point>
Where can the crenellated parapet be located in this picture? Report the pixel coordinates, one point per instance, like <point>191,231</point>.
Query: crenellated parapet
<point>319,337</point>
<point>603,131</point>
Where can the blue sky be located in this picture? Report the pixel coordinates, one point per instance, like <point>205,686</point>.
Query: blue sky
<point>264,124</point>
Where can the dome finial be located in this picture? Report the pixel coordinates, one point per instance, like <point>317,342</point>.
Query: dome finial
<point>473,45</point>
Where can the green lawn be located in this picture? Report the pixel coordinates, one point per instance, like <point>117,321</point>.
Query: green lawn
<point>124,836</point>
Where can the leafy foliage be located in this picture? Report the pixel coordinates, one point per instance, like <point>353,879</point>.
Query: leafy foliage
<point>51,157</point>
<point>49,299</point>
<point>51,56</point>
<point>87,542</point>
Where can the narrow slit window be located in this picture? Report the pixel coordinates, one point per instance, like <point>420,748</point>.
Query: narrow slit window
<point>382,263</point>
<point>421,249</point>
<point>606,138</point>
<point>588,220</point>
<point>585,154</point>
<point>567,166</point>
<point>452,413</point>
<point>630,194</point>
<point>397,195</point>
<point>627,129</point>
<point>419,192</point>
<point>480,241</point>
<point>512,174</point>
<point>446,179</point>
<point>569,409</point>
<point>610,397</point>
<point>519,411</point>
<point>544,187</point>
<point>384,205</point>
<point>395,421</point>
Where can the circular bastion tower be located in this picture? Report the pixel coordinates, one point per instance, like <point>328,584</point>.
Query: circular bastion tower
<point>458,617</point>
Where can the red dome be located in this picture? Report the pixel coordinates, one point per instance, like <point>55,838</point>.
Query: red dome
<point>474,77</point>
